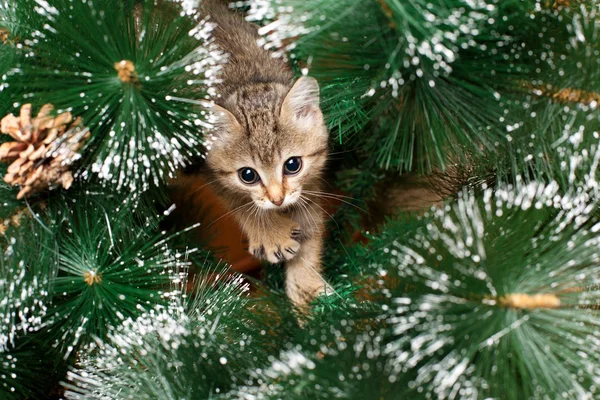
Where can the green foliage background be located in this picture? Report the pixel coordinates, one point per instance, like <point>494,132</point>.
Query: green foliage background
<point>498,97</point>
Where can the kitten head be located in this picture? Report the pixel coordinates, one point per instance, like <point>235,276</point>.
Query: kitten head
<point>269,143</point>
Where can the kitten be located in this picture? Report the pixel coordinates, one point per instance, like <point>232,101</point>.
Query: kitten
<point>268,155</point>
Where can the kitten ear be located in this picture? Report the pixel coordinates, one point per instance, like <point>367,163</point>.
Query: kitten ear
<point>302,101</point>
<point>224,121</point>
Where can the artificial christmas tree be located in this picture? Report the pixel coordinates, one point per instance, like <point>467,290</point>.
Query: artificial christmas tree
<point>487,109</point>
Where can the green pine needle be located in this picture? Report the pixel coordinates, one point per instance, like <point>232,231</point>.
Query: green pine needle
<point>8,195</point>
<point>548,141</point>
<point>458,328</point>
<point>26,269</point>
<point>422,85</point>
<point>111,268</point>
<point>28,371</point>
<point>145,123</point>
<point>199,345</point>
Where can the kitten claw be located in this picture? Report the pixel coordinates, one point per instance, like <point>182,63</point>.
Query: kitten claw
<point>296,234</point>
<point>279,254</point>
<point>258,252</point>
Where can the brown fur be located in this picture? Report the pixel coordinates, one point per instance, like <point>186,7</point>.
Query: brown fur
<point>261,121</point>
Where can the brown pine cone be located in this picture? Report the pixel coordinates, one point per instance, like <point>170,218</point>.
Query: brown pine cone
<point>43,150</point>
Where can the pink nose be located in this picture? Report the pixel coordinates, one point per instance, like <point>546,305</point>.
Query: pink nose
<point>278,201</point>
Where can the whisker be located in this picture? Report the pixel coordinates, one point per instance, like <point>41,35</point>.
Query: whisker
<point>346,151</point>
<point>304,204</point>
<point>302,207</point>
<point>327,183</point>
<point>334,195</point>
<point>262,221</point>
<point>317,204</point>
<point>203,186</point>
<point>250,214</point>
<point>230,212</point>
<point>346,251</point>
<point>325,196</point>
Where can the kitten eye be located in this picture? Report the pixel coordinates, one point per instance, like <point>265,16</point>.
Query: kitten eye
<point>292,166</point>
<point>248,175</point>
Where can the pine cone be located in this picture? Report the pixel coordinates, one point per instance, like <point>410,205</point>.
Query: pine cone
<point>43,150</point>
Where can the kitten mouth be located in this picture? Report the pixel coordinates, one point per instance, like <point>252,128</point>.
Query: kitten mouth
<point>287,203</point>
<point>267,205</point>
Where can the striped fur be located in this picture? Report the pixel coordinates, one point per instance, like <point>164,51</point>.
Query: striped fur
<point>262,119</point>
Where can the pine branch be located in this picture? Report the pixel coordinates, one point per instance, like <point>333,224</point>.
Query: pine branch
<point>418,85</point>
<point>25,273</point>
<point>28,370</point>
<point>549,141</point>
<point>8,196</point>
<point>9,41</point>
<point>488,297</point>
<point>521,262</point>
<point>143,128</point>
<point>111,268</point>
<point>204,337</point>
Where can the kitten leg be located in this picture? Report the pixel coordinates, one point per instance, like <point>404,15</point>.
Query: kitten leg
<point>304,280</point>
<point>277,238</point>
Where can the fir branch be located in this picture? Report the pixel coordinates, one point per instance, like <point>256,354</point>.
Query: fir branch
<point>26,269</point>
<point>429,83</point>
<point>520,262</point>
<point>111,267</point>
<point>142,129</point>
<point>204,337</point>
<point>28,370</point>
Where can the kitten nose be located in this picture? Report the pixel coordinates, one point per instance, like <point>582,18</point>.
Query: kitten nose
<point>278,201</point>
<point>275,194</point>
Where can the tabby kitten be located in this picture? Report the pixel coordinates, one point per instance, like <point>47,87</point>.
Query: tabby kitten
<point>268,154</point>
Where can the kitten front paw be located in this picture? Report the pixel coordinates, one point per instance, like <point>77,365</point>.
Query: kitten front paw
<point>276,249</point>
